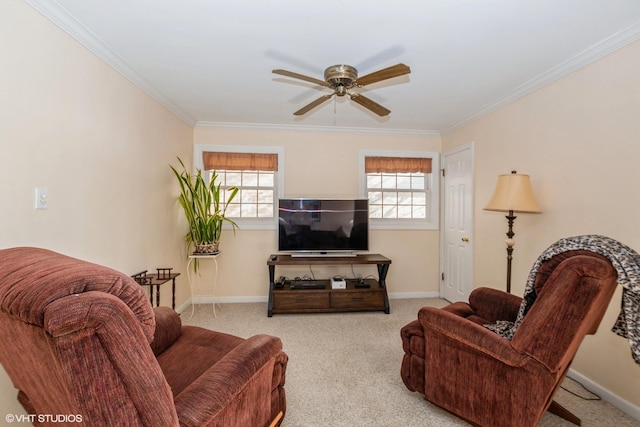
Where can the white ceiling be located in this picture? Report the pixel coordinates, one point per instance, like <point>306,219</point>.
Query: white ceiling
<point>210,61</point>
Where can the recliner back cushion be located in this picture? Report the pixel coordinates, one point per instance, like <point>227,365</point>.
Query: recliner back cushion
<point>548,267</point>
<point>32,278</point>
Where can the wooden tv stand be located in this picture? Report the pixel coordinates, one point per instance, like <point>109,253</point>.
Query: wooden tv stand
<point>326,300</point>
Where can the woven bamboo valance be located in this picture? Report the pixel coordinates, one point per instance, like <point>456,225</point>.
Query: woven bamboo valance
<point>215,160</point>
<point>397,164</point>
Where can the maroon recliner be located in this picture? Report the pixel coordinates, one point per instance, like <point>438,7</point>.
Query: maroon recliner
<point>82,340</point>
<point>478,375</point>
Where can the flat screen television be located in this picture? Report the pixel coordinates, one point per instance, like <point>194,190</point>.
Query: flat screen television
<point>323,227</point>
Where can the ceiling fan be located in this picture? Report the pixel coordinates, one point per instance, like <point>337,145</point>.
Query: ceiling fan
<point>342,78</point>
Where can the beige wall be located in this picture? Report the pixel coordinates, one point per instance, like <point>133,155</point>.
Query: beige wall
<point>102,147</point>
<point>579,139</point>
<point>320,164</point>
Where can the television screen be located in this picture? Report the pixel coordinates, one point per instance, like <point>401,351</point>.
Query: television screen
<point>322,226</point>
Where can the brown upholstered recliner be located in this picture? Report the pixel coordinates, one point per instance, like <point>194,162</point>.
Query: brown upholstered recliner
<point>476,374</point>
<point>81,340</point>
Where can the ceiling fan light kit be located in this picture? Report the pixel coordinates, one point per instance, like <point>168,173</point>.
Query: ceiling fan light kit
<point>342,78</point>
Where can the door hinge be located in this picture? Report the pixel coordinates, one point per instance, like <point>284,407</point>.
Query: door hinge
<point>443,172</point>
<point>442,277</point>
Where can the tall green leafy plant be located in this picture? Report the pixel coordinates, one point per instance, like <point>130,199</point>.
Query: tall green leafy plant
<point>203,206</point>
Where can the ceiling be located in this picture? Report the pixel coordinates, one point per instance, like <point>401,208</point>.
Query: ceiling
<point>210,61</point>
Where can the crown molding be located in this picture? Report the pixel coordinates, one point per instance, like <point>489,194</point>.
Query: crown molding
<point>53,11</point>
<point>57,14</point>
<point>315,129</point>
<point>584,58</point>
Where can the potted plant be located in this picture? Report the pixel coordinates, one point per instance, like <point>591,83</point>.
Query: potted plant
<point>204,209</point>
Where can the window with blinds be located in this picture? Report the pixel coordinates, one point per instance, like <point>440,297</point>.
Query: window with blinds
<point>255,176</point>
<point>400,188</point>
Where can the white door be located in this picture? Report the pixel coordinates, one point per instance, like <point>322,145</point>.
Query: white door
<point>457,236</point>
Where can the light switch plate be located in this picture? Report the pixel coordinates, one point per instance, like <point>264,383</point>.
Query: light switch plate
<point>42,198</point>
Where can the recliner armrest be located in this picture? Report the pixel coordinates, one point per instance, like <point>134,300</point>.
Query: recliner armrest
<point>440,324</point>
<point>493,304</point>
<point>168,329</point>
<point>205,400</point>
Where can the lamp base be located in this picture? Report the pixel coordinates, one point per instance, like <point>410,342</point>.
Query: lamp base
<point>510,242</point>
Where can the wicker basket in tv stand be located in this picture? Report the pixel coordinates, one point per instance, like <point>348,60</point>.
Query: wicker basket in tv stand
<point>286,300</point>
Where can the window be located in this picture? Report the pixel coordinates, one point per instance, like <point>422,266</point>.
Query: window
<point>255,172</point>
<point>401,188</point>
<point>256,198</point>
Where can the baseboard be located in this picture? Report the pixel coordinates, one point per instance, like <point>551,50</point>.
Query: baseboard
<point>182,307</point>
<point>229,300</point>
<point>626,407</point>
<point>219,300</point>
<point>410,295</point>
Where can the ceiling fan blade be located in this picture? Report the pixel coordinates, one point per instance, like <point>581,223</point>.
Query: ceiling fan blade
<point>384,74</point>
<point>312,105</point>
<point>300,77</point>
<point>370,105</point>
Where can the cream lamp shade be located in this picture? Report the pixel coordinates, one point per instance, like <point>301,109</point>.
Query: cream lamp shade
<point>513,193</point>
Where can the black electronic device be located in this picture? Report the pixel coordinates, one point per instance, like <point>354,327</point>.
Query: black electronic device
<point>323,227</point>
<point>360,283</point>
<point>280,283</point>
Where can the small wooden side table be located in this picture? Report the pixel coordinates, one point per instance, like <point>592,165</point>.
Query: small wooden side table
<point>163,275</point>
<point>215,277</point>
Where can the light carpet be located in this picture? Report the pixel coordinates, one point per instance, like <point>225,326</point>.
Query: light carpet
<point>344,368</point>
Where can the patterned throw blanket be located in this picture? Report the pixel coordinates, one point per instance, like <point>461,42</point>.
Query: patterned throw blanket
<point>625,260</point>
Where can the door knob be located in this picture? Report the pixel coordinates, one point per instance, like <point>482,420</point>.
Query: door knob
<point>465,239</point>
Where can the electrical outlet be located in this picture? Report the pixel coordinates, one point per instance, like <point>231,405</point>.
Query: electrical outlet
<point>42,198</point>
